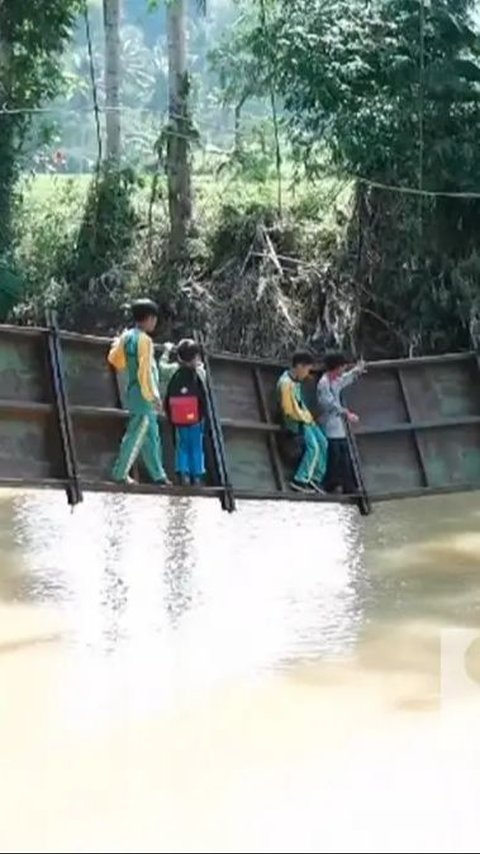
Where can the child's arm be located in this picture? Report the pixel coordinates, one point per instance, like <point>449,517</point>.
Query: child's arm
<point>349,377</point>
<point>146,378</point>
<point>116,356</point>
<point>329,405</point>
<point>166,368</point>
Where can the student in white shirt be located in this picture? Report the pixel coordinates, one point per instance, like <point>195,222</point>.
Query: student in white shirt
<point>340,476</point>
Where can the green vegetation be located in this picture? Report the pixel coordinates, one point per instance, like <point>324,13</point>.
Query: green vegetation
<point>256,171</point>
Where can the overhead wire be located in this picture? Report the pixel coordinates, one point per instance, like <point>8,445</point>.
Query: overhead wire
<point>98,110</point>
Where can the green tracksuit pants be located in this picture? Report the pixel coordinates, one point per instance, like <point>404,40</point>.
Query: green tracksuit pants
<point>142,438</point>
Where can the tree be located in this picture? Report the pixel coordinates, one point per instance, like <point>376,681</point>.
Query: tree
<point>111,24</point>
<point>388,91</point>
<point>243,73</point>
<point>179,128</point>
<point>179,133</point>
<point>32,38</point>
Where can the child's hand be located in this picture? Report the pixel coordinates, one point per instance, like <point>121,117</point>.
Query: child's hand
<point>362,366</point>
<point>352,418</point>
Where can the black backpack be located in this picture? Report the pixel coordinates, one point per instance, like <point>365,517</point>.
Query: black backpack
<point>186,385</point>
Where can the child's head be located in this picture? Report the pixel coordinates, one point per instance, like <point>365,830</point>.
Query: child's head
<point>302,364</point>
<point>188,353</point>
<point>335,363</point>
<point>145,314</point>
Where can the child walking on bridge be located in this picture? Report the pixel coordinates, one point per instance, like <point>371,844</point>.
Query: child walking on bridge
<point>298,419</point>
<point>133,352</point>
<point>340,476</point>
<point>186,408</point>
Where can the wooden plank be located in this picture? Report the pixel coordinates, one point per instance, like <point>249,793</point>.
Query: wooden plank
<point>33,408</point>
<point>272,444</point>
<point>102,341</point>
<point>381,364</point>
<point>27,408</point>
<point>408,410</point>
<point>434,424</point>
<point>243,495</point>
<point>424,492</point>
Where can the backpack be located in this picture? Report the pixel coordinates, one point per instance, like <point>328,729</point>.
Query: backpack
<point>185,400</point>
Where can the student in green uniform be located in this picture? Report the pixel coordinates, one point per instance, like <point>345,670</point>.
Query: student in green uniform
<point>133,352</point>
<point>298,419</point>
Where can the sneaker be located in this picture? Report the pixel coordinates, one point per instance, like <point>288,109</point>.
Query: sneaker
<point>297,486</point>
<point>164,482</point>
<point>125,481</point>
<point>317,488</point>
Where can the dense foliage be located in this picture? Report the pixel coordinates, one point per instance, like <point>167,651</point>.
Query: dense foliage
<point>32,37</point>
<point>388,91</point>
<point>361,116</point>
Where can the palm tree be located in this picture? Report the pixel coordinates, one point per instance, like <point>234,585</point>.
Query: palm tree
<point>179,126</point>
<point>178,159</point>
<point>111,25</point>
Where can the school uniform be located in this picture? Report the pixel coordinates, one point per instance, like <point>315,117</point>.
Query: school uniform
<point>298,420</point>
<point>133,352</point>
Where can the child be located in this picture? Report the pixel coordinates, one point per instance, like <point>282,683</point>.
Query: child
<point>340,475</point>
<point>186,408</point>
<point>133,352</point>
<point>298,419</point>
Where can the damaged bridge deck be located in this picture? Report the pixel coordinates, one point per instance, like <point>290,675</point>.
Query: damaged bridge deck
<point>61,421</point>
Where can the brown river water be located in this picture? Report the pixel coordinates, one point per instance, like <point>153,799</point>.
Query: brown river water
<point>284,679</point>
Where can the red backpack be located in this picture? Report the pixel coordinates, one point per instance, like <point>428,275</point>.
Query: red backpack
<point>185,398</point>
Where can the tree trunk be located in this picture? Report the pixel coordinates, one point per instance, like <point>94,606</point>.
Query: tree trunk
<point>178,144</point>
<point>7,143</point>
<point>111,25</point>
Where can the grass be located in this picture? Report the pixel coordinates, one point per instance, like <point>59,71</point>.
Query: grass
<point>304,199</point>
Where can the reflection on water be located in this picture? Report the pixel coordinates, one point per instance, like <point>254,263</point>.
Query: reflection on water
<point>175,678</point>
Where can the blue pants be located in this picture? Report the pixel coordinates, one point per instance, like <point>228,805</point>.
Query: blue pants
<point>313,464</point>
<point>189,454</point>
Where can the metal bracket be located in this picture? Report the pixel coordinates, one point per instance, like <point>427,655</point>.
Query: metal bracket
<point>227,496</point>
<point>55,358</point>
<point>363,500</point>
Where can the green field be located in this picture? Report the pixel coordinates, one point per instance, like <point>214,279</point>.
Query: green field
<point>306,199</point>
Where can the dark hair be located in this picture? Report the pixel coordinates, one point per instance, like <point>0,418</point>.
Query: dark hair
<point>143,308</point>
<point>332,361</point>
<point>302,357</point>
<point>188,350</point>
